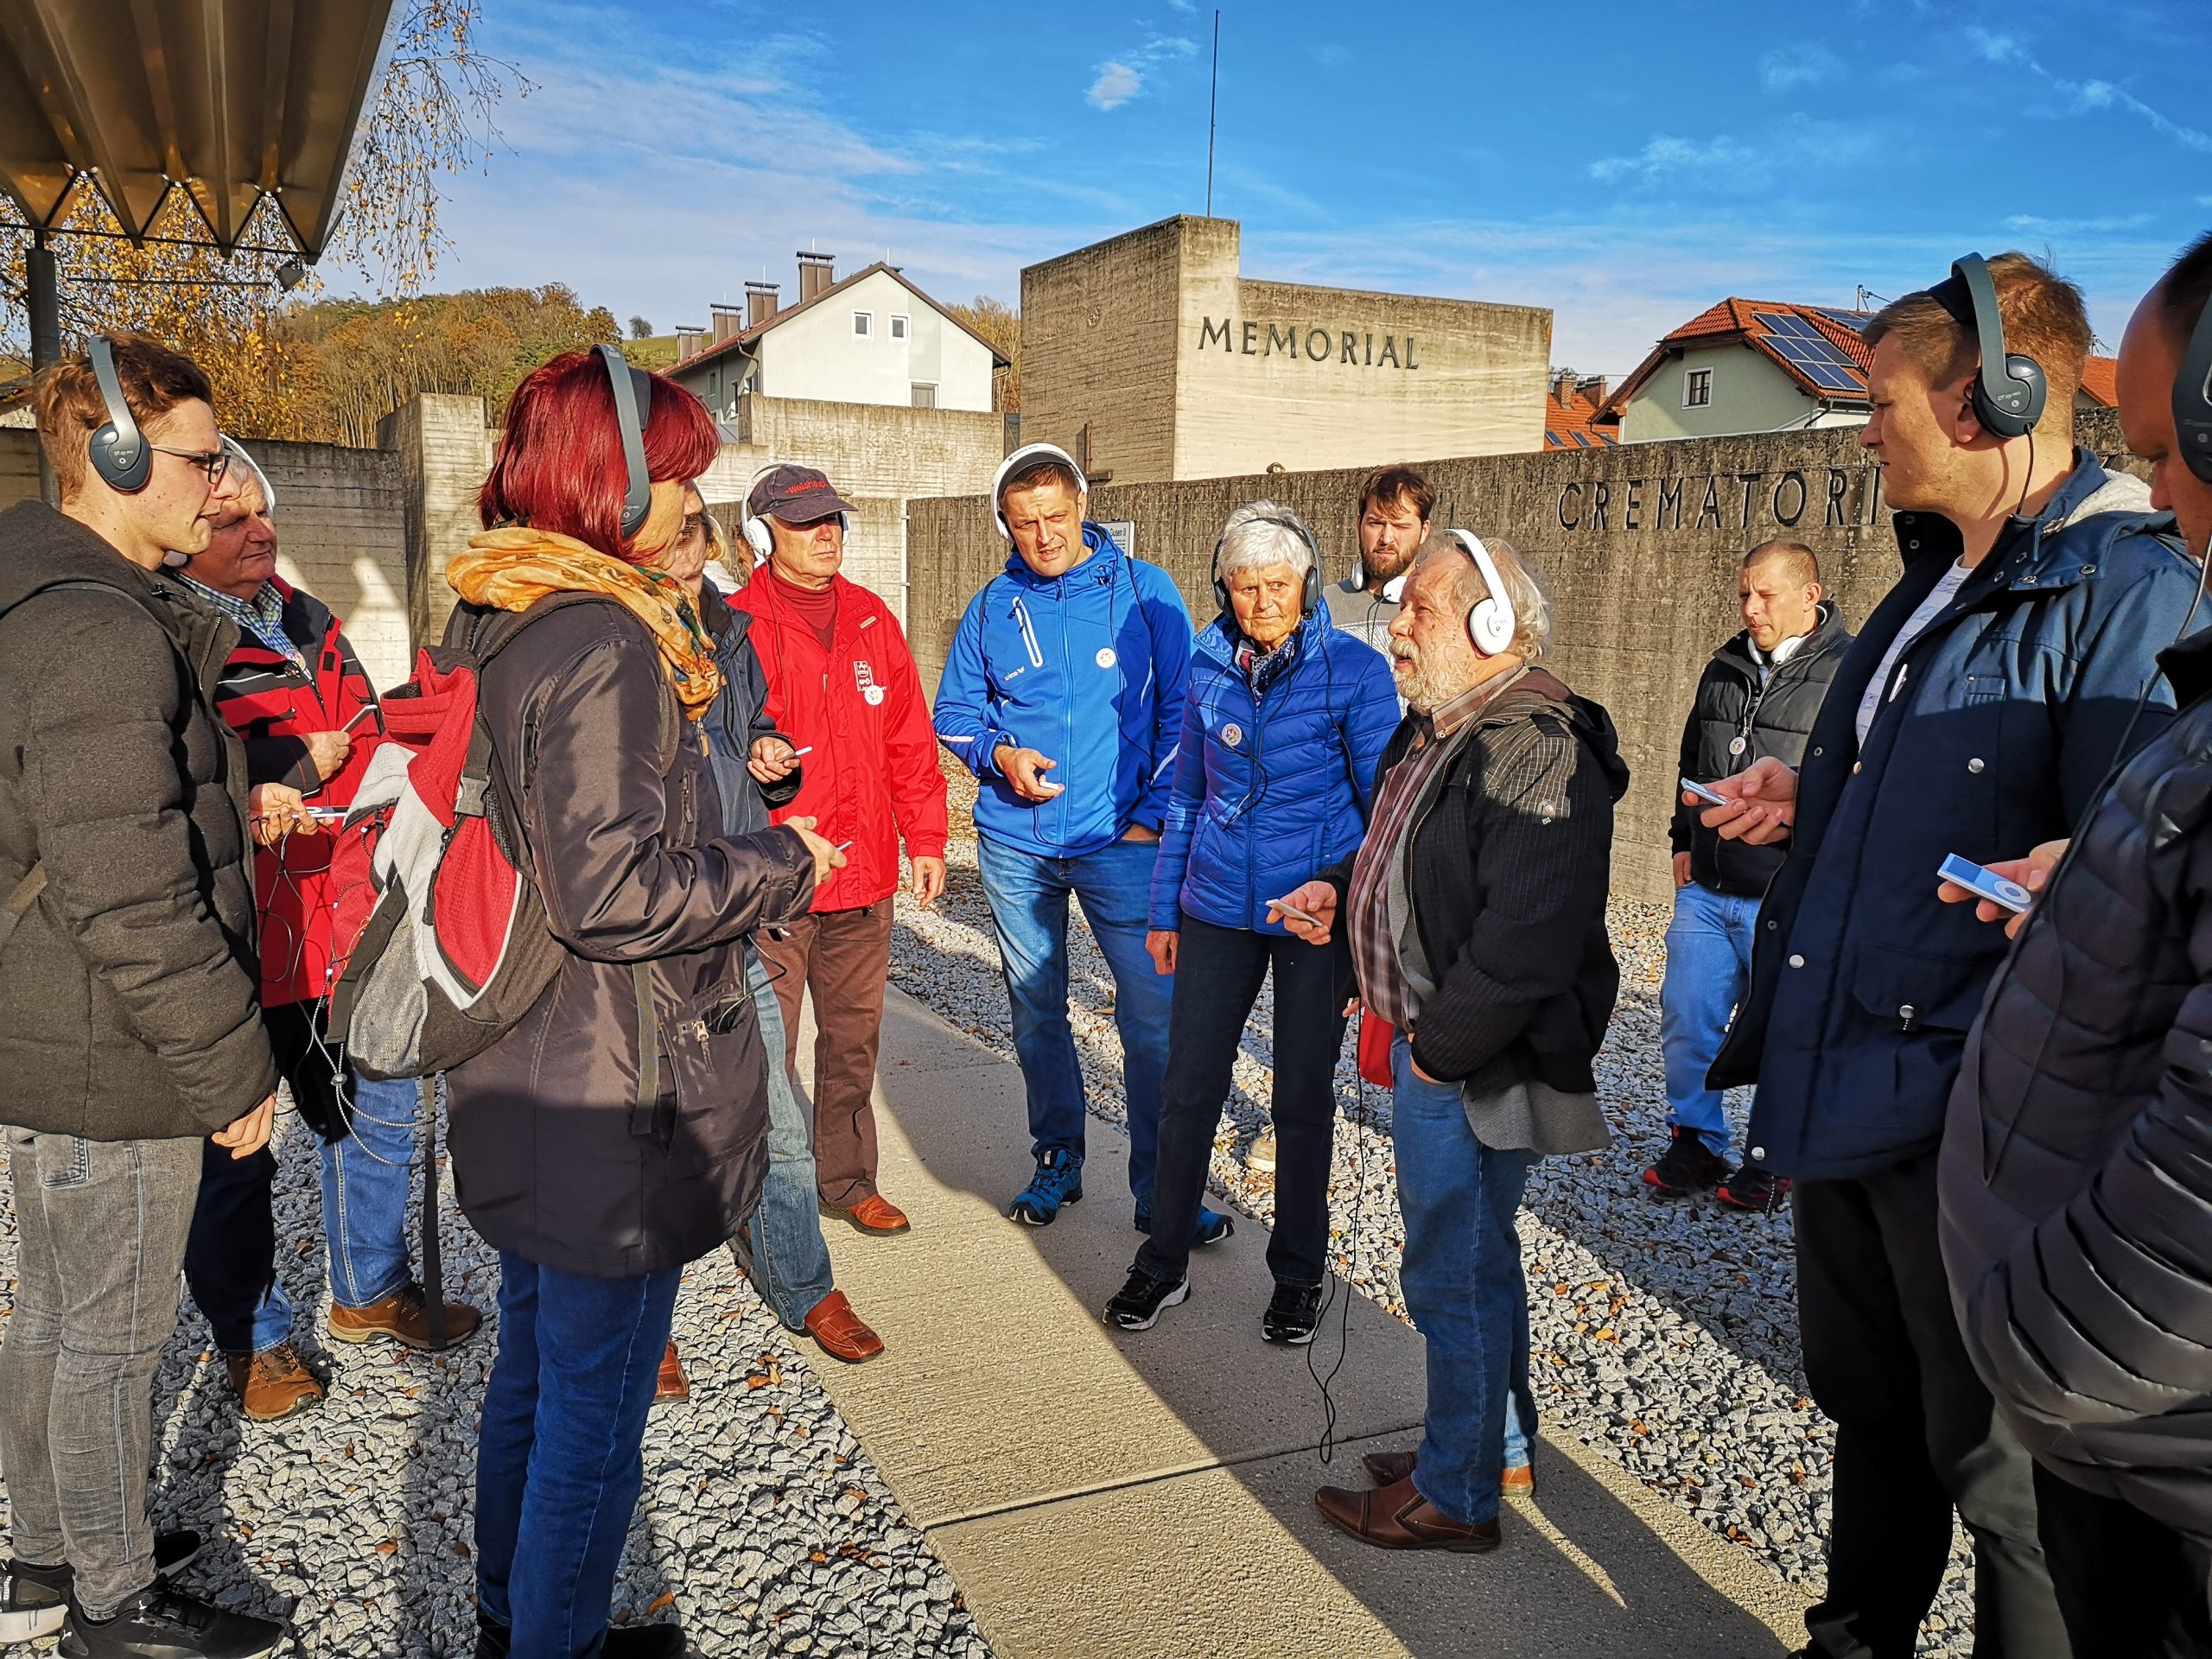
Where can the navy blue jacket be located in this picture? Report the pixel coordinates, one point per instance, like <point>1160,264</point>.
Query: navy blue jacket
<point>1088,668</point>
<point>1268,795</point>
<point>2018,696</point>
<point>738,719</point>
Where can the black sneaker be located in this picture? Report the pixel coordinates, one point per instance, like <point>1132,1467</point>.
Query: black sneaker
<point>1754,1188</point>
<point>1293,1312</point>
<point>623,1641</point>
<point>159,1623</point>
<point>1136,1306</point>
<point>34,1600</point>
<point>1685,1166</point>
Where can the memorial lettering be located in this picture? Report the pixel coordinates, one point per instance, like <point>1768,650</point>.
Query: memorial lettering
<point>1240,337</point>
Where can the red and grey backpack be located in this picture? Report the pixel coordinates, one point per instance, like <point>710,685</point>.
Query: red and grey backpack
<point>441,934</point>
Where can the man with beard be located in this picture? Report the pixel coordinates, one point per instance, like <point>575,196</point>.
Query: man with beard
<point>1395,505</point>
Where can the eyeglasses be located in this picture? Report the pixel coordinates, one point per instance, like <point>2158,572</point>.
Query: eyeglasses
<point>214,462</point>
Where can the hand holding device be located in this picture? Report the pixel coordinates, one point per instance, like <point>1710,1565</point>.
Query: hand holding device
<point>2019,875</point>
<point>1024,770</point>
<point>1759,805</point>
<point>1308,911</point>
<point>1985,884</point>
<point>1711,796</point>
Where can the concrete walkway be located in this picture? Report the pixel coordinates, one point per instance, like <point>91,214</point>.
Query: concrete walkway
<point>1151,1495</point>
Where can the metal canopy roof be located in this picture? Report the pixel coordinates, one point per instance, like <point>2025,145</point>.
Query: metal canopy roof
<point>229,100</point>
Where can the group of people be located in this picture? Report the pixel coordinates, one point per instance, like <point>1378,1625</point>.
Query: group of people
<point>706,753</point>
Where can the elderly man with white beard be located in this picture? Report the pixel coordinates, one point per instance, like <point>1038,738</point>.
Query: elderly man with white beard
<point>1476,913</point>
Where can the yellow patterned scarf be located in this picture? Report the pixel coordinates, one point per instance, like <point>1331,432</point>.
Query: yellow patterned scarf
<point>511,568</point>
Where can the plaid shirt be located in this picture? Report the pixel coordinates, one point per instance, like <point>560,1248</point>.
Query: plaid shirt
<point>262,616</point>
<point>1383,983</point>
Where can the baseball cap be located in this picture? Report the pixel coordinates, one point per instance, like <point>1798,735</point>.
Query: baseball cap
<point>796,495</point>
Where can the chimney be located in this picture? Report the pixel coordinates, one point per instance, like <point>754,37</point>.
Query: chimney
<point>1594,387</point>
<point>688,338</point>
<point>816,272</point>
<point>1563,386</point>
<point>760,305</point>
<point>728,320</point>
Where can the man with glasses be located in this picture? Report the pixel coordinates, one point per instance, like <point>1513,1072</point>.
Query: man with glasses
<point>130,1031</point>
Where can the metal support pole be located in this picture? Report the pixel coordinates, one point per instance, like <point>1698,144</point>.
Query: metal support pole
<point>45,286</point>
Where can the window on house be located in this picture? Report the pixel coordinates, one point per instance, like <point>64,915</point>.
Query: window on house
<point>861,323</point>
<point>898,327</point>
<point>924,394</point>
<point>1697,388</point>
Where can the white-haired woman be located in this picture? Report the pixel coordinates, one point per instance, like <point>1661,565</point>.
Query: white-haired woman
<point>1283,724</point>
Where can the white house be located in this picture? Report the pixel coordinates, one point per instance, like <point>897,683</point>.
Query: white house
<point>873,338</point>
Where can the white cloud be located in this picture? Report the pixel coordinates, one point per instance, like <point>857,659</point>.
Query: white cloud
<point>1116,85</point>
<point>1667,157</point>
<point>1803,65</point>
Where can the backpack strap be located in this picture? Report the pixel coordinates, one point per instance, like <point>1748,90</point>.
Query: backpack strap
<point>20,899</point>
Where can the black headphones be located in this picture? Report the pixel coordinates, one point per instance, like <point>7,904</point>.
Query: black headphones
<point>2008,390</point>
<point>120,454</point>
<point>633,400</point>
<point>2193,399</point>
<point>1309,597</point>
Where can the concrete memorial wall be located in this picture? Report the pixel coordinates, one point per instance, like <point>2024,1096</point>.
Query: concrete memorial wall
<point>1637,546</point>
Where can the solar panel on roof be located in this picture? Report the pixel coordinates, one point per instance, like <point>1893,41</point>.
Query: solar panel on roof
<point>1854,321</point>
<point>1781,322</point>
<point>1822,364</point>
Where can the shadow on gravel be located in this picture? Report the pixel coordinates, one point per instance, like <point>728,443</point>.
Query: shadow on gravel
<point>1070,1474</point>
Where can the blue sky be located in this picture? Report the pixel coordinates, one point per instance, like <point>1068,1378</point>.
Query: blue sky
<point>1624,164</point>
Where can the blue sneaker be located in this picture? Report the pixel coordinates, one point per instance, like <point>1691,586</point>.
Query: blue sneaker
<point>1212,1227</point>
<point>1058,1180</point>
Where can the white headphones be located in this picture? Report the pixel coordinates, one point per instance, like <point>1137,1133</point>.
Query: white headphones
<point>1490,624</point>
<point>755,528</point>
<point>1029,456</point>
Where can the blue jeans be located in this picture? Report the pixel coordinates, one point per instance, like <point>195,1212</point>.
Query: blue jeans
<point>230,1262</point>
<point>1028,897</point>
<point>1463,1286</point>
<point>560,1458</point>
<point>789,1263</point>
<point>1708,969</point>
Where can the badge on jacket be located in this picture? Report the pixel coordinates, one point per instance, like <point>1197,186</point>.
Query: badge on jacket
<point>864,678</point>
<point>1232,735</point>
<point>1105,657</point>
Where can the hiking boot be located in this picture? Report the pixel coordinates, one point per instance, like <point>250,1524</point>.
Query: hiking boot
<point>159,1623</point>
<point>273,1384</point>
<point>1211,1227</point>
<point>1261,1155</point>
<point>1136,1306</point>
<point>34,1600</point>
<point>1754,1187</point>
<point>1685,1166</point>
<point>1293,1312</point>
<point>403,1317</point>
<point>1058,1180</point>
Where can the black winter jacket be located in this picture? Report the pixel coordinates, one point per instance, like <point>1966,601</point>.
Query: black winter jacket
<point>620,1128</point>
<point>1737,718</point>
<point>128,1006</point>
<point>1508,868</point>
<point>2076,1171</point>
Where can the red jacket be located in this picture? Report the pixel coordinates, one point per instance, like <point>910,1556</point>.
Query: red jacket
<point>271,706</point>
<point>871,776</point>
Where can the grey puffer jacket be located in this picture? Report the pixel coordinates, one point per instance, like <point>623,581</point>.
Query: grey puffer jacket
<point>620,1128</point>
<point>2076,1171</point>
<point>128,994</point>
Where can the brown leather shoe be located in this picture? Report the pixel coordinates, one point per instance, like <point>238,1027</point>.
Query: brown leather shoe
<point>671,1384</point>
<point>841,1331</point>
<point>1398,1517</point>
<point>273,1384</point>
<point>874,1215</point>
<point>1387,1468</point>
<point>403,1317</point>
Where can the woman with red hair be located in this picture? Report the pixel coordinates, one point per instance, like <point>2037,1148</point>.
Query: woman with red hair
<point>618,1131</point>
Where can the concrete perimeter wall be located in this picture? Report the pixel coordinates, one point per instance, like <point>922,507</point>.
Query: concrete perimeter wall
<point>341,534</point>
<point>1637,547</point>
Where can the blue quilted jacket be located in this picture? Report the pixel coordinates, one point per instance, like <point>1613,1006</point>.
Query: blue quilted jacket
<point>1270,792</point>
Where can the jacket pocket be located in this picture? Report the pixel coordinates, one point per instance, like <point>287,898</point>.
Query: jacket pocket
<point>1916,989</point>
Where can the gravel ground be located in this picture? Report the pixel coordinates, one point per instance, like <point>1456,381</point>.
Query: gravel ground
<point>1662,1332</point>
<point>763,1528</point>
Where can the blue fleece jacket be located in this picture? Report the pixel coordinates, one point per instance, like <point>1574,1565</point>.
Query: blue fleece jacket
<point>1269,792</point>
<point>1089,669</point>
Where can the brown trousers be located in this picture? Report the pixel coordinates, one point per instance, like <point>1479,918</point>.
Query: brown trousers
<point>843,956</point>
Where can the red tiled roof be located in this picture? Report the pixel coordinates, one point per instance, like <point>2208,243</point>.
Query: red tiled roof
<point>1740,319</point>
<point>1569,408</point>
<point>2099,381</point>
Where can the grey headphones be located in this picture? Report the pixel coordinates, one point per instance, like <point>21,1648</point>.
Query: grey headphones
<point>633,401</point>
<point>120,454</point>
<point>2193,399</point>
<point>1309,594</point>
<point>2008,390</point>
